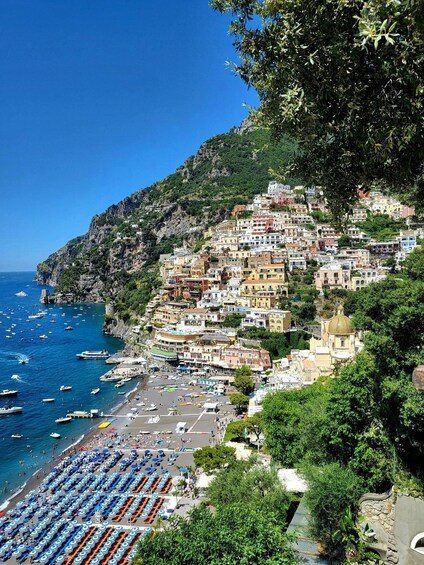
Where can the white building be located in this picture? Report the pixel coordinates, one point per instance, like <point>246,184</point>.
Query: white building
<point>366,277</point>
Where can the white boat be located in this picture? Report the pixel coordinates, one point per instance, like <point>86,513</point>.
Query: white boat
<point>126,380</point>
<point>109,378</point>
<point>118,385</point>
<point>63,420</point>
<point>103,354</point>
<point>48,400</point>
<point>95,391</point>
<point>55,435</point>
<point>6,392</point>
<point>68,328</point>
<point>44,336</point>
<point>17,436</point>
<point>21,293</point>
<point>64,388</point>
<point>10,410</point>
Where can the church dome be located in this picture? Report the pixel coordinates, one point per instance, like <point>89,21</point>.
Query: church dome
<point>340,324</point>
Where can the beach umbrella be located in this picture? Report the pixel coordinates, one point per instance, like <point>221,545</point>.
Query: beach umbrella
<point>183,470</point>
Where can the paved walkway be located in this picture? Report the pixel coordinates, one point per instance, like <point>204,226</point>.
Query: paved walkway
<point>306,548</point>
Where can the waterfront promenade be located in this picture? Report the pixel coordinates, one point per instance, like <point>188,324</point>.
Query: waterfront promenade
<point>104,494</point>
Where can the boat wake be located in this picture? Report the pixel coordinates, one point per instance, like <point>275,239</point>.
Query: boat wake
<point>17,378</point>
<point>20,357</point>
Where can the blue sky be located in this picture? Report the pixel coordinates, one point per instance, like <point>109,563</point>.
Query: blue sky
<point>99,98</point>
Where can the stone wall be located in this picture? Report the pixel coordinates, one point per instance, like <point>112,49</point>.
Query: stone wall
<point>379,513</point>
<point>396,520</point>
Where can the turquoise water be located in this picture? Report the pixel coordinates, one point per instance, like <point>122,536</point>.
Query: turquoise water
<point>51,363</point>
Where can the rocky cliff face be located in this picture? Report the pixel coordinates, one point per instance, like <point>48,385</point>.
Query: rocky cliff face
<point>127,239</point>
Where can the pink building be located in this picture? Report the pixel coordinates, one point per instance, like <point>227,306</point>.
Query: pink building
<point>407,212</point>
<point>234,356</point>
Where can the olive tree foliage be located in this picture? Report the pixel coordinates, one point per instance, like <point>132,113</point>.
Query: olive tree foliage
<point>343,77</point>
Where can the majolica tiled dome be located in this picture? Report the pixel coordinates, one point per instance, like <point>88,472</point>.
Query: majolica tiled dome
<point>340,324</point>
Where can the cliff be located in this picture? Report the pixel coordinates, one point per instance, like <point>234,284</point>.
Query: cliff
<point>116,258</point>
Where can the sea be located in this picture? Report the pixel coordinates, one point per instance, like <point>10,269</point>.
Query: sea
<point>37,367</point>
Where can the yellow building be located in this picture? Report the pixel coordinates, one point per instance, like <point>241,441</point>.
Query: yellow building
<point>264,300</point>
<point>271,271</point>
<point>252,286</point>
<point>279,320</point>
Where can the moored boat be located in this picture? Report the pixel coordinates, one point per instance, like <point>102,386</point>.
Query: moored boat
<point>110,378</point>
<point>17,436</point>
<point>103,354</point>
<point>55,435</point>
<point>63,420</point>
<point>64,388</point>
<point>48,400</point>
<point>10,410</point>
<point>95,391</point>
<point>69,328</point>
<point>6,392</point>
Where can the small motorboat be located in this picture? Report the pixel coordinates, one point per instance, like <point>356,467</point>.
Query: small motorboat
<point>118,385</point>
<point>17,436</point>
<point>95,391</point>
<point>7,392</point>
<point>64,388</point>
<point>23,361</point>
<point>68,328</point>
<point>55,435</point>
<point>64,420</point>
<point>48,400</point>
<point>44,336</point>
<point>10,410</point>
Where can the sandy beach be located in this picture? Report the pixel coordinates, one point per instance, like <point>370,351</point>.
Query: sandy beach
<point>145,422</point>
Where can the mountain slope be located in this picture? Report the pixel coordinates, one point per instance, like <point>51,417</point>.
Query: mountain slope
<point>127,239</point>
